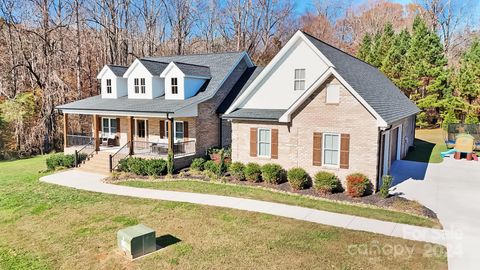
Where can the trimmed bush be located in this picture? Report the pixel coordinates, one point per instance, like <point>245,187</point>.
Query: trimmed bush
<point>387,181</point>
<point>60,160</point>
<point>357,184</point>
<point>253,172</point>
<point>236,171</point>
<point>210,166</point>
<point>197,164</point>
<point>155,167</point>
<point>136,166</point>
<point>123,165</point>
<point>298,178</point>
<point>272,173</point>
<point>325,182</point>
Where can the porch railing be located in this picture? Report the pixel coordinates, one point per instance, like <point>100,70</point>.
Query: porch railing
<point>122,153</point>
<point>161,149</point>
<point>78,140</point>
<point>86,152</point>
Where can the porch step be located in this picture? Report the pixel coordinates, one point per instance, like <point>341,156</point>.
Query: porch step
<point>98,163</point>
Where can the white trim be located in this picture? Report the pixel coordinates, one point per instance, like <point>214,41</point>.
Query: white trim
<point>116,113</point>
<point>133,66</point>
<point>304,79</point>
<point>103,71</point>
<point>175,130</point>
<point>168,68</point>
<point>386,153</point>
<point>136,128</point>
<point>338,150</point>
<point>258,143</point>
<point>109,125</point>
<point>273,63</point>
<point>399,141</point>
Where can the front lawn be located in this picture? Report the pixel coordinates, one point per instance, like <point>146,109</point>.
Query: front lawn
<point>428,145</point>
<point>45,226</point>
<point>272,196</point>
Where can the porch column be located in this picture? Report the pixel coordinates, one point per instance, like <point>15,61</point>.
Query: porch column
<point>170,135</point>
<point>96,125</point>
<point>65,130</point>
<point>130,134</point>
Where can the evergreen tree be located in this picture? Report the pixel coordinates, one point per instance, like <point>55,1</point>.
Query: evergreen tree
<point>373,57</point>
<point>365,47</point>
<point>386,41</point>
<point>468,78</point>
<point>426,75</point>
<point>394,64</point>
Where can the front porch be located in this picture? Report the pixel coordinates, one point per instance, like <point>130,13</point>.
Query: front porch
<point>121,136</point>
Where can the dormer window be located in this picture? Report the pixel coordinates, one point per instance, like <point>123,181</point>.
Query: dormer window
<point>299,79</point>
<point>109,86</point>
<point>139,85</point>
<point>174,86</point>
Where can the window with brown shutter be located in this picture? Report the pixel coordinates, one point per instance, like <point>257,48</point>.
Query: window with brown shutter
<point>344,150</point>
<point>185,130</point>
<point>317,148</point>
<point>162,129</point>
<point>274,142</point>
<point>253,142</point>
<point>118,125</point>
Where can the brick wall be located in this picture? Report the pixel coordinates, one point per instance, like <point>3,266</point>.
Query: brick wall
<point>295,140</point>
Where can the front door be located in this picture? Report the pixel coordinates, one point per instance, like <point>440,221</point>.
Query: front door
<point>141,133</point>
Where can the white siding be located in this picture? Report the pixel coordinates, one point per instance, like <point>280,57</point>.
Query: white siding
<point>175,72</point>
<point>140,72</point>
<point>119,85</point>
<point>276,91</point>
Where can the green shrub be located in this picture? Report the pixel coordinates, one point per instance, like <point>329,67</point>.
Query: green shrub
<point>387,181</point>
<point>272,173</point>
<point>56,161</point>
<point>136,166</point>
<point>123,165</point>
<point>170,165</point>
<point>253,172</point>
<point>197,164</point>
<point>155,167</point>
<point>357,184</point>
<point>236,171</point>
<point>210,166</point>
<point>325,182</point>
<point>69,161</point>
<point>298,178</point>
<point>222,167</point>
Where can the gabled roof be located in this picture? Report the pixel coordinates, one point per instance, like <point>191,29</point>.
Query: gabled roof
<point>154,67</point>
<point>220,65</point>
<point>117,70</point>
<point>368,84</point>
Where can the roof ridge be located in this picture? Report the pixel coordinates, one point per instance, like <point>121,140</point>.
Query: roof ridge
<point>183,63</point>
<point>338,49</point>
<point>195,54</point>
<point>150,60</point>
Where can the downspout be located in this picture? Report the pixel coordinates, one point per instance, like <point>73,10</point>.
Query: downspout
<point>220,130</point>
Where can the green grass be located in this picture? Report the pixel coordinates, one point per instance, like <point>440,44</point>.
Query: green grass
<point>272,196</point>
<point>428,145</point>
<point>44,226</point>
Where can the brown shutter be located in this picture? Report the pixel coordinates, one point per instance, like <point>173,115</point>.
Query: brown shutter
<point>344,150</point>
<point>253,142</point>
<point>146,128</point>
<point>118,125</point>
<point>162,129</point>
<point>317,148</point>
<point>185,129</point>
<point>274,143</point>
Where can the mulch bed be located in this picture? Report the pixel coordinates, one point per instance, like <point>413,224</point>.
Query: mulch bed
<point>393,202</point>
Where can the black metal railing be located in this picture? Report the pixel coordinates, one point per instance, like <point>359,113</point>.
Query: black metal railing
<point>78,140</point>
<point>122,153</point>
<point>86,152</point>
<point>161,149</point>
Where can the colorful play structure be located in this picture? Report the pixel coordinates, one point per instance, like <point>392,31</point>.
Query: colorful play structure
<point>462,141</point>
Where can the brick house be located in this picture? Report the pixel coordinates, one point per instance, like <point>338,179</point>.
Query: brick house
<point>140,104</point>
<point>319,108</point>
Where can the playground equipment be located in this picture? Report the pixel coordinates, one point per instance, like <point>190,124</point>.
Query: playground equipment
<point>464,139</point>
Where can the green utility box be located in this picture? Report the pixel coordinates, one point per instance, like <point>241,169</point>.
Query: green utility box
<point>137,240</point>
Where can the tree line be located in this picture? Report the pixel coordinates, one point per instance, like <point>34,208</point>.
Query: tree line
<point>52,50</point>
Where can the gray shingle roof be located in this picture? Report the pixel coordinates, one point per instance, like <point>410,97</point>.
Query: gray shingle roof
<point>260,114</point>
<point>370,83</point>
<point>193,70</point>
<point>154,67</point>
<point>118,70</point>
<point>219,64</point>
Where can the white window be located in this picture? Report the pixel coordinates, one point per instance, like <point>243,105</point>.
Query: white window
<point>174,86</point>
<point>179,131</point>
<point>299,80</point>
<point>109,86</point>
<point>333,94</point>
<point>142,85</point>
<point>264,145</point>
<point>331,149</point>
<point>109,126</point>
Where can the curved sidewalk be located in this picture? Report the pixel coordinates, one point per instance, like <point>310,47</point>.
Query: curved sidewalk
<point>92,182</point>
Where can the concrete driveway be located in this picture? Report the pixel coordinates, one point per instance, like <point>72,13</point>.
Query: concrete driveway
<point>452,190</point>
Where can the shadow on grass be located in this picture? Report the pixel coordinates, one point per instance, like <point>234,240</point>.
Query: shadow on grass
<point>422,151</point>
<point>166,240</point>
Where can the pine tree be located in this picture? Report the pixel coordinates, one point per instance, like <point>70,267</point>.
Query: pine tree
<point>373,57</point>
<point>386,41</point>
<point>468,78</point>
<point>426,75</point>
<point>365,47</point>
<point>394,64</point>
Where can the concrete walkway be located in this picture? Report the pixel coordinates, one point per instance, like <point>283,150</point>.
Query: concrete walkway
<point>92,182</point>
<point>451,189</point>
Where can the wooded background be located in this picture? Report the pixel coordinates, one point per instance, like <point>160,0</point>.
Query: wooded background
<point>52,50</point>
